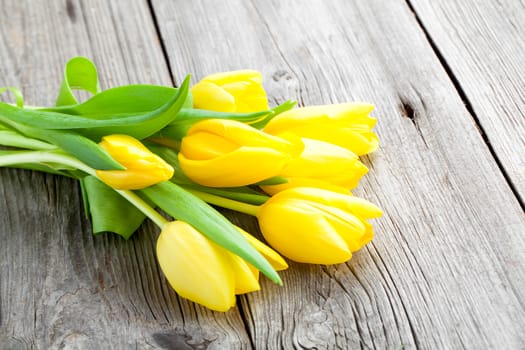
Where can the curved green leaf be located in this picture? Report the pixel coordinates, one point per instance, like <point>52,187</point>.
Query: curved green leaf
<point>121,100</point>
<point>139,125</point>
<point>283,107</point>
<point>19,98</point>
<point>14,139</point>
<point>79,74</point>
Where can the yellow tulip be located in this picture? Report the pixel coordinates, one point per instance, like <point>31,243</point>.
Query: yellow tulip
<point>321,164</point>
<point>226,153</point>
<point>237,91</point>
<point>313,225</point>
<point>347,125</point>
<point>143,168</point>
<point>202,271</point>
<point>195,267</point>
<point>206,273</point>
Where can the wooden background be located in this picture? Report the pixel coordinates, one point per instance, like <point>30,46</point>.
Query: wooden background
<point>447,267</point>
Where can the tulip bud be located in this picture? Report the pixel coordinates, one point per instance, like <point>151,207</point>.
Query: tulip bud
<point>317,226</point>
<point>203,272</point>
<point>227,153</point>
<point>347,125</point>
<point>321,164</point>
<point>238,91</point>
<point>195,267</point>
<point>143,168</point>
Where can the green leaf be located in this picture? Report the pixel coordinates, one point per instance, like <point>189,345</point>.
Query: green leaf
<point>139,125</point>
<point>79,74</point>
<point>82,148</point>
<point>276,180</point>
<point>186,207</point>
<point>12,138</point>
<point>240,194</point>
<point>283,107</point>
<point>109,211</point>
<point>47,168</point>
<point>76,145</point>
<point>122,100</point>
<point>19,98</point>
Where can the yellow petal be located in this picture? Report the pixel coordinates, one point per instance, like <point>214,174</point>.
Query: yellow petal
<point>304,182</point>
<point>355,205</point>
<point>326,114</point>
<point>232,76</point>
<point>195,267</point>
<point>347,125</point>
<point>202,145</point>
<point>129,180</point>
<point>277,261</point>
<point>245,166</point>
<point>143,168</point>
<point>249,96</point>
<point>209,96</point>
<point>242,134</point>
<point>246,276</point>
<point>325,161</point>
<point>301,233</point>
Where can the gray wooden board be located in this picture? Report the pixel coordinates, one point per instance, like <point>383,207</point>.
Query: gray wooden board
<point>446,269</point>
<point>483,43</point>
<point>60,287</point>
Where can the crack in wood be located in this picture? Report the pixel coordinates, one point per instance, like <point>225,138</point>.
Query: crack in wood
<point>70,10</point>
<point>409,112</point>
<point>245,317</point>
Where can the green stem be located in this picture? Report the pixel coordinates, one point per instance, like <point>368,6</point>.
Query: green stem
<point>245,208</point>
<point>14,139</point>
<point>64,159</point>
<point>138,202</point>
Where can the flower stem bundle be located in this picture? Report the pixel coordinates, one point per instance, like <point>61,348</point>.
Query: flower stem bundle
<point>147,151</point>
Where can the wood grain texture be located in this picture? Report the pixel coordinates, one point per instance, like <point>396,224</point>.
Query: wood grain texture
<point>447,268</point>
<point>60,287</point>
<point>483,43</point>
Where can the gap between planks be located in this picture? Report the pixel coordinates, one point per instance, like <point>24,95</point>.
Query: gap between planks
<point>467,103</point>
<point>161,41</point>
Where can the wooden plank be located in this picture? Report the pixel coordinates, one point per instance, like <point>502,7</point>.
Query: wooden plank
<point>447,268</point>
<point>484,47</point>
<point>60,287</point>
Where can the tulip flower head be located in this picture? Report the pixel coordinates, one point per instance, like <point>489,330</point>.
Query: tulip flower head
<point>200,270</point>
<point>143,168</point>
<point>313,225</point>
<point>321,164</point>
<point>226,153</point>
<point>237,91</point>
<point>347,125</point>
<point>203,272</point>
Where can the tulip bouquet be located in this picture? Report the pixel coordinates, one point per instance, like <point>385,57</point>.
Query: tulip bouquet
<point>147,151</point>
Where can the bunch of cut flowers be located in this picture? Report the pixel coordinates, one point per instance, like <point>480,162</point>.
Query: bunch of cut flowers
<point>166,154</point>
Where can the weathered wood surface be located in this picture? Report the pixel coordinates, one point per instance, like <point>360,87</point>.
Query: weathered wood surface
<point>483,44</point>
<point>447,267</point>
